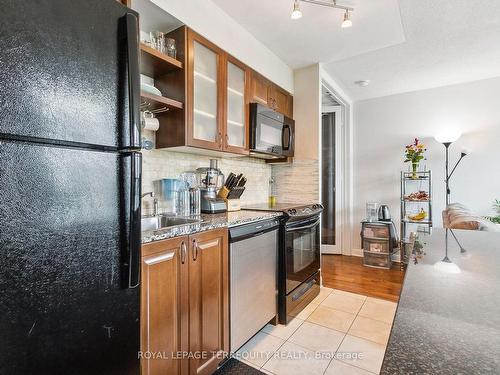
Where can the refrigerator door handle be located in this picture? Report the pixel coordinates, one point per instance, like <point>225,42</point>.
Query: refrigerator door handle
<point>134,241</point>
<point>133,80</point>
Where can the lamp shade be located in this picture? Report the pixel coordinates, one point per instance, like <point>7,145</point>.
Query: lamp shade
<point>449,136</point>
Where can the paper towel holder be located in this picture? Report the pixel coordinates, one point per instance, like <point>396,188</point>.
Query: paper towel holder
<point>159,110</point>
<point>145,105</point>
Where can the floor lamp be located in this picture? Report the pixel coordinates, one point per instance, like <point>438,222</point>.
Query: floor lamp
<point>447,140</point>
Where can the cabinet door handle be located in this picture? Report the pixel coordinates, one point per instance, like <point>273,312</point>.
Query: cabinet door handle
<point>227,140</point>
<point>220,140</point>
<point>183,252</point>
<point>195,251</point>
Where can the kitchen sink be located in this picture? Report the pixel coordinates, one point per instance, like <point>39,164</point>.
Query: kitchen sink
<point>161,222</point>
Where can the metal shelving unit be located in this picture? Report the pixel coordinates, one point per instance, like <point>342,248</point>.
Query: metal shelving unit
<point>410,184</point>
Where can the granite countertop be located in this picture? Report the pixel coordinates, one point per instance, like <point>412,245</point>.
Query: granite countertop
<point>448,318</point>
<point>209,222</point>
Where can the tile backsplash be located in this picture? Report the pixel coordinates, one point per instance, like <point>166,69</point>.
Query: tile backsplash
<point>297,182</point>
<point>159,164</point>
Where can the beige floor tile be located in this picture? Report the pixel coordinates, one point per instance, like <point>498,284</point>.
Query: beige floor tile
<point>341,368</point>
<point>259,348</point>
<point>343,303</point>
<point>370,329</point>
<point>334,319</point>
<point>323,293</point>
<point>292,359</point>
<point>361,353</point>
<point>317,338</point>
<point>283,331</point>
<point>349,294</point>
<point>304,314</point>
<point>379,309</point>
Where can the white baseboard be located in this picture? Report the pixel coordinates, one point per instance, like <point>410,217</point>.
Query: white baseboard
<point>357,252</point>
<point>396,257</point>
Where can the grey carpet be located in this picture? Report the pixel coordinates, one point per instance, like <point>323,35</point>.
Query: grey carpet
<point>234,366</point>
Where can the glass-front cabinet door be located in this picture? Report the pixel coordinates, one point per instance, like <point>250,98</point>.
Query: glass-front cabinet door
<point>204,122</point>
<point>217,105</point>
<point>236,122</point>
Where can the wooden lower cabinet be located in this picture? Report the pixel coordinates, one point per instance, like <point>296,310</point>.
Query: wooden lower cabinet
<point>161,305</point>
<point>208,300</point>
<point>184,304</point>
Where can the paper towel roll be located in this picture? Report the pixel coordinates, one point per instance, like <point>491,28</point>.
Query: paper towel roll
<point>150,123</point>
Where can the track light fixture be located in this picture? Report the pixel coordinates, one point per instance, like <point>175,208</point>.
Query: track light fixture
<point>297,13</point>
<point>347,20</point>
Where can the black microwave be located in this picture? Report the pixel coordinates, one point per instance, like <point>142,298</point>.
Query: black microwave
<point>271,133</point>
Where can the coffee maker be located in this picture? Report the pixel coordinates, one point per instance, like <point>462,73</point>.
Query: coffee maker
<point>210,180</point>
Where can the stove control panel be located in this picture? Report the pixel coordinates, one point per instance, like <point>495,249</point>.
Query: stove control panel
<point>308,210</point>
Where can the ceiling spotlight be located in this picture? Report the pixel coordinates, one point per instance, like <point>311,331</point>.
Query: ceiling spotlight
<point>296,13</point>
<point>347,20</point>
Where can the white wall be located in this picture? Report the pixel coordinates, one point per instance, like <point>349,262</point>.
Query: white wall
<point>213,23</point>
<point>307,112</point>
<point>299,182</point>
<point>383,126</point>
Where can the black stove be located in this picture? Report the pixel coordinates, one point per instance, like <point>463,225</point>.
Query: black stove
<point>298,256</point>
<point>292,211</point>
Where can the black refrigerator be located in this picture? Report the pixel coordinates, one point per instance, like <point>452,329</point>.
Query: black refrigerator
<point>70,180</point>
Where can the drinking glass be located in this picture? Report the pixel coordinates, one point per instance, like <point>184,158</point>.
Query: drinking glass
<point>372,211</point>
<point>170,46</point>
<point>160,41</point>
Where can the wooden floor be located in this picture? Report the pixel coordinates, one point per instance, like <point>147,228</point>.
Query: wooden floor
<point>348,273</point>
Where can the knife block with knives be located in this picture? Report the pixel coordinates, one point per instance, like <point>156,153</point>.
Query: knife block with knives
<point>232,190</point>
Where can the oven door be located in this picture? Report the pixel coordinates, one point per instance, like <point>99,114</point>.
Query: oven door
<point>302,249</point>
<point>272,133</point>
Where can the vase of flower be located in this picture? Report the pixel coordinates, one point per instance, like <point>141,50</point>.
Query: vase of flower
<point>414,153</point>
<point>414,167</point>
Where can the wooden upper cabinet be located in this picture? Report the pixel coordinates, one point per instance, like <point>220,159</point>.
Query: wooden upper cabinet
<point>162,315</point>
<point>259,89</point>
<point>205,93</point>
<point>281,101</point>
<point>236,109</point>
<point>208,95</point>
<point>208,299</point>
<point>265,92</point>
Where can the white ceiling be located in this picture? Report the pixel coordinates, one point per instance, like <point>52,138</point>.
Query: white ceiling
<point>399,46</point>
<point>153,18</point>
<point>317,36</point>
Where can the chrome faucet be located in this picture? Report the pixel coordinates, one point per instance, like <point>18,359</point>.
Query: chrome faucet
<point>155,201</point>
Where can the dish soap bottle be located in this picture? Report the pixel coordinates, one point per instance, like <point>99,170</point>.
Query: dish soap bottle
<point>272,193</point>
